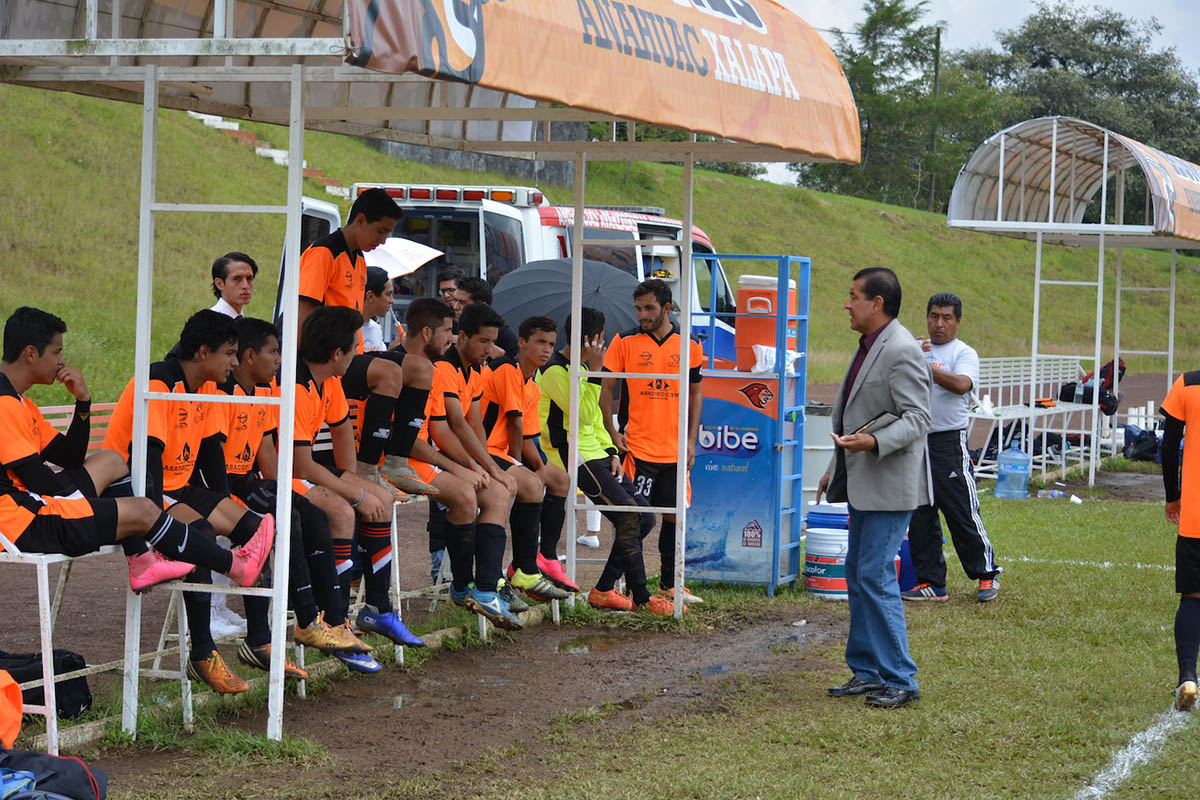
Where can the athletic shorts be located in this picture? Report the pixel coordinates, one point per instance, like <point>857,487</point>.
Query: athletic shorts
<point>1187,565</point>
<point>354,382</point>
<point>653,483</point>
<point>505,462</point>
<point>72,526</point>
<point>427,471</point>
<point>257,494</point>
<point>203,501</point>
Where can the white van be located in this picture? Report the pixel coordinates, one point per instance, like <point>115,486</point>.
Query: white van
<point>488,231</point>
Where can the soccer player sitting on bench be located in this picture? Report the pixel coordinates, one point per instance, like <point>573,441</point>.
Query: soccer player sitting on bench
<point>181,434</point>
<point>326,350</point>
<point>49,512</point>
<point>312,576</point>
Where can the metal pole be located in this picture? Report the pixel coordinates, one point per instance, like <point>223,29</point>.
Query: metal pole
<point>576,345</point>
<point>1027,434</point>
<point>1000,183</point>
<point>1053,165</point>
<point>141,377</point>
<point>1116,324</point>
<point>1099,319</point>
<point>1171,326</point>
<point>685,340</point>
<point>287,409</point>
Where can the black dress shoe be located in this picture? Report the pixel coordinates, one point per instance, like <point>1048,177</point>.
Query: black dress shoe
<point>891,697</point>
<point>856,686</point>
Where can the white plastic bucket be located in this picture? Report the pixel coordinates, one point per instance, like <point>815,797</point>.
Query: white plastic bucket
<point>825,562</point>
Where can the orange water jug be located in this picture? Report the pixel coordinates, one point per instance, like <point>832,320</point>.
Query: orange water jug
<point>758,295</point>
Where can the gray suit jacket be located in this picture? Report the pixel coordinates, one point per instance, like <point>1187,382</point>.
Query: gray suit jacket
<point>895,378</point>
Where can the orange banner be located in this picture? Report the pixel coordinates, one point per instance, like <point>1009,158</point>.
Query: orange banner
<point>748,70</point>
<point>1175,187</point>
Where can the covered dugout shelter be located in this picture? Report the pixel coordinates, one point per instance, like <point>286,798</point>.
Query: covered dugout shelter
<point>476,75</point>
<point>1038,179</point>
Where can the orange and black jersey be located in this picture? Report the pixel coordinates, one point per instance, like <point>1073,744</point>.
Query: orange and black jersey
<point>27,442</point>
<point>649,410</point>
<point>317,405</point>
<point>245,426</point>
<point>1181,408</point>
<point>451,378</point>
<point>180,432</point>
<point>504,396</point>
<point>331,274</point>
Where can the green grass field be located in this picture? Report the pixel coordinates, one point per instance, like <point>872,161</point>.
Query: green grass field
<point>69,225</point>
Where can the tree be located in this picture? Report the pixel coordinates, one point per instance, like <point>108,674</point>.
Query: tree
<point>1100,66</point>
<point>908,134</point>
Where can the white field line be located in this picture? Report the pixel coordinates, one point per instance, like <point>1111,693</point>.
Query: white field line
<point>1141,749</point>
<point>1096,564</point>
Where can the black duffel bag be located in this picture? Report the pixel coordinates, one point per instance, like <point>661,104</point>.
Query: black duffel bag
<point>1108,400</point>
<point>59,776</point>
<point>72,697</point>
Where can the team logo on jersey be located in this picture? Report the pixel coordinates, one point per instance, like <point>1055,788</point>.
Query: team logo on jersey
<point>181,418</point>
<point>645,358</point>
<point>674,361</point>
<point>246,455</point>
<point>242,421</point>
<point>349,279</point>
<point>185,454</point>
<point>759,394</point>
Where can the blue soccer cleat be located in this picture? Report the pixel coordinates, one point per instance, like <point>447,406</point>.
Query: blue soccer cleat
<point>387,625</point>
<point>492,606</point>
<point>460,598</point>
<point>359,662</point>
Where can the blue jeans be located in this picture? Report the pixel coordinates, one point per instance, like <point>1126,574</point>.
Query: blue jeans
<point>877,648</point>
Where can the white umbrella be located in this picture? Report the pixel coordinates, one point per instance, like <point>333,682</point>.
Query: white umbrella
<point>400,256</point>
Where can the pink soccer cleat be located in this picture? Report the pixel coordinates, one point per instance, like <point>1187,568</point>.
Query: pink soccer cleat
<point>248,560</point>
<point>552,568</point>
<point>149,569</point>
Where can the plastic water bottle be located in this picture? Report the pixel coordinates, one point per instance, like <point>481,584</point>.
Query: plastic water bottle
<point>1012,479</point>
<point>1054,494</point>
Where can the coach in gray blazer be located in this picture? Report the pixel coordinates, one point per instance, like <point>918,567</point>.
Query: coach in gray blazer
<point>880,421</point>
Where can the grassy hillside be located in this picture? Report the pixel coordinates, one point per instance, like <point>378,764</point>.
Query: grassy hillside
<point>69,211</point>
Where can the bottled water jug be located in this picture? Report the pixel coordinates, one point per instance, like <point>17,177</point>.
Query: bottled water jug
<point>1012,478</point>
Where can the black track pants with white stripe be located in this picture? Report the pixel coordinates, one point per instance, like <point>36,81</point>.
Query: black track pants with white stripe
<point>955,496</point>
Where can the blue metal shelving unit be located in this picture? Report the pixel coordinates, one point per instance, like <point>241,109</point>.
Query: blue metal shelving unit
<point>789,417</point>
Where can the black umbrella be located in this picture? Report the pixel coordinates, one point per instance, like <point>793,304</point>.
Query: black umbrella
<point>544,288</point>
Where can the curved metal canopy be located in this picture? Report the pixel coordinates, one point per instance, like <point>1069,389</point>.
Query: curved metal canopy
<point>1040,176</point>
<point>462,74</point>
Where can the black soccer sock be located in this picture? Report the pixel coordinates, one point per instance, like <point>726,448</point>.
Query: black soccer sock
<point>666,549</point>
<point>300,589</point>
<point>343,550</point>
<point>489,555</point>
<point>438,527</point>
<point>460,546</point>
<point>376,427</point>
<point>375,538</point>
<point>193,543</point>
<point>134,545</point>
<point>199,612</point>
<point>245,529</point>
<point>554,513</point>
<point>407,418</point>
<point>1187,637</point>
<point>320,570</point>
<point>258,623</point>
<point>524,520</point>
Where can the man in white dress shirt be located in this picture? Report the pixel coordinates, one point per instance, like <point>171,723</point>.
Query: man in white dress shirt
<point>233,277</point>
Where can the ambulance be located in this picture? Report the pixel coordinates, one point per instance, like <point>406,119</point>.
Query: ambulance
<point>488,231</point>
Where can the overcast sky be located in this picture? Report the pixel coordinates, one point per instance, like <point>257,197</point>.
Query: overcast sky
<point>973,23</point>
